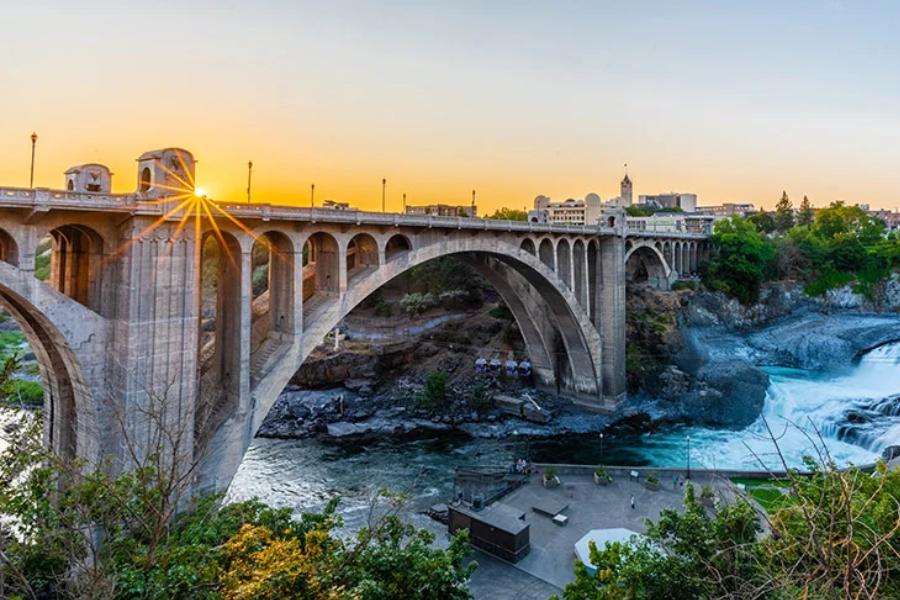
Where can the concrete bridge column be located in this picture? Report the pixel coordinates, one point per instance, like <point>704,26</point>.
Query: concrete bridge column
<point>611,294</point>
<point>342,265</point>
<point>153,357</point>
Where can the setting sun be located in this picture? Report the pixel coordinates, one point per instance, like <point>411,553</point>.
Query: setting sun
<point>199,192</point>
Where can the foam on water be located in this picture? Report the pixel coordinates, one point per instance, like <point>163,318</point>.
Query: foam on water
<point>798,403</point>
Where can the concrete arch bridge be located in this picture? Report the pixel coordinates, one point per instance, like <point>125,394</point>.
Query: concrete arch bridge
<point>118,329</point>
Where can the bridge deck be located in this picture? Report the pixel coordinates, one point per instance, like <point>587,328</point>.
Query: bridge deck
<point>43,199</point>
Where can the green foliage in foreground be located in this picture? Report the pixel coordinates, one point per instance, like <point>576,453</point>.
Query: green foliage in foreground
<point>835,538</point>
<point>114,538</point>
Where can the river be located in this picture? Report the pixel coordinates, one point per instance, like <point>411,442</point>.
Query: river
<point>305,474</point>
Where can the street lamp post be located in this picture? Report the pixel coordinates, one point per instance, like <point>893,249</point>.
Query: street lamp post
<point>404,202</point>
<point>312,195</point>
<point>34,139</point>
<point>383,185</point>
<point>601,448</point>
<point>689,457</point>
<point>249,178</point>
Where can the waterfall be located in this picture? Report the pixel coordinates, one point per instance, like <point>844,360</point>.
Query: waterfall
<point>857,414</point>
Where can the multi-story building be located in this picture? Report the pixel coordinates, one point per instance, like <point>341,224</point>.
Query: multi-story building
<point>576,212</point>
<point>891,219</point>
<point>443,210</point>
<point>686,202</point>
<point>728,209</point>
<point>674,223</point>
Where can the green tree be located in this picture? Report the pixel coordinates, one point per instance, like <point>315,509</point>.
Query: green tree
<point>807,215</point>
<point>509,214</point>
<point>636,211</point>
<point>435,393</point>
<point>739,259</point>
<point>784,213</point>
<point>763,221</point>
<point>683,556</point>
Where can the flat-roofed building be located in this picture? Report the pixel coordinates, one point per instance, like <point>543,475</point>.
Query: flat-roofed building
<point>586,211</point>
<point>684,201</point>
<point>728,209</point>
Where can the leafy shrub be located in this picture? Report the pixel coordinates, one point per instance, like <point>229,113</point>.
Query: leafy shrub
<point>480,400</point>
<point>684,284</point>
<point>30,393</point>
<point>435,393</point>
<point>550,473</point>
<point>502,312</point>
<point>632,358</point>
<point>706,491</point>
<point>416,304</point>
<point>260,280</point>
<point>382,308</point>
<point>42,266</point>
<point>653,477</point>
<point>828,279</point>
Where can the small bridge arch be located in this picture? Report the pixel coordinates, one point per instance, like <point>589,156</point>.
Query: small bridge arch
<point>644,263</point>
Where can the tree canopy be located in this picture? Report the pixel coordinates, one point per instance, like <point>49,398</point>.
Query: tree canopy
<point>509,214</point>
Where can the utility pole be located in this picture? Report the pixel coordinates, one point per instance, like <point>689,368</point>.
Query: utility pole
<point>34,139</point>
<point>249,176</point>
<point>312,195</point>
<point>383,185</point>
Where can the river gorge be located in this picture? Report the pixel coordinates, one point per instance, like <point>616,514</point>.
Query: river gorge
<point>856,408</point>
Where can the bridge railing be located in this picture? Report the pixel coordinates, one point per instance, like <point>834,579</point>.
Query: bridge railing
<point>131,202</point>
<point>46,196</point>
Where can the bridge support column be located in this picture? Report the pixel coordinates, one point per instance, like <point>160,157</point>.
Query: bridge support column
<point>152,384</point>
<point>611,294</point>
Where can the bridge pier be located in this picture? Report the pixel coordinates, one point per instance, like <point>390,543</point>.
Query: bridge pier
<point>611,293</point>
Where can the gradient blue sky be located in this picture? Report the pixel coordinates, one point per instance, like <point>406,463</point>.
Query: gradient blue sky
<point>732,100</point>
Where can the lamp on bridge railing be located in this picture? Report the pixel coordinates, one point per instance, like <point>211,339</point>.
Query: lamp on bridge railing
<point>383,185</point>
<point>249,175</point>
<point>34,139</point>
<point>312,195</point>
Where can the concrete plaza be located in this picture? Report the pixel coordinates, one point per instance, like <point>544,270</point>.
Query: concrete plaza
<point>590,506</point>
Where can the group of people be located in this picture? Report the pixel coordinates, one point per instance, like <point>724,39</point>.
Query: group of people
<point>522,466</point>
<point>511,368</point>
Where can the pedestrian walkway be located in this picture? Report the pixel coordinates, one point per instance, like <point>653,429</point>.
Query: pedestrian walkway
<point>590,506</point>
<point>497,580</point>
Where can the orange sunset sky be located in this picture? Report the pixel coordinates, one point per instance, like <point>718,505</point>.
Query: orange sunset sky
<point>732,101</point>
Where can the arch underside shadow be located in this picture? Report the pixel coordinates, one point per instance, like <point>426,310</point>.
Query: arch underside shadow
<point>645,264</point>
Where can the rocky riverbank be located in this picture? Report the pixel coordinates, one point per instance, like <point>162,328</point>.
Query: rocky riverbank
<point>706,369</point>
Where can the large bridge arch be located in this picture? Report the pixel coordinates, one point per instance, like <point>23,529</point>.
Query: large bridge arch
<point>572,322</point>
<point>64,336</point>
<point>644,263</point>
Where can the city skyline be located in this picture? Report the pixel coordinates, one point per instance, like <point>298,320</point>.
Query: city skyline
<point>734,104</point>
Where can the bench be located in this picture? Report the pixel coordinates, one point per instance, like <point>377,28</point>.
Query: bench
<point>560,520</point>
<point>550,508</point>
